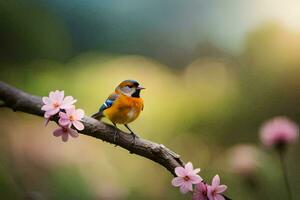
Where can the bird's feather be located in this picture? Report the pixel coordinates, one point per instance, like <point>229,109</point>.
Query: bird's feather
<point>108,103</point>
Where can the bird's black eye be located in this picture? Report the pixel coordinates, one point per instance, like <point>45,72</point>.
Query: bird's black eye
<point>130,86</point>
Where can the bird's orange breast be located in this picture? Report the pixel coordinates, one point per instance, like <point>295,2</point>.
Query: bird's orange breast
<point>124,110</point>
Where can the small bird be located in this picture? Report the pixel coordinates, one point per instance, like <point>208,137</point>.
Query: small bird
<point>123,106</point>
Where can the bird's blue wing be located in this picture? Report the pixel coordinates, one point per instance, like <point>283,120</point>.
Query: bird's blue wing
<point>109,102</point>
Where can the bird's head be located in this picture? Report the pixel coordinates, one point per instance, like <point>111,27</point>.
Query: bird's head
<point>129,88</point>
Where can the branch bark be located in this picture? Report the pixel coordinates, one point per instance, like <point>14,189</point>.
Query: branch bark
<point>22,101</point>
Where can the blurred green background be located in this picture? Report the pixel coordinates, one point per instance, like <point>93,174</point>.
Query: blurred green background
<point>214,72</point>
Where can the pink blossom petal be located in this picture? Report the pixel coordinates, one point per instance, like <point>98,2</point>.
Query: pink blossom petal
<point>47,121</point>
<point>46,100</point>
<point>72,108</point>
<point>216,181</point>
<point>186,187</point>
<point>46,115</point>
<point>196,171</point>
<point>64,122</point>
<point>67,106</point>
<point>199,196</point>
<point>63,115</point>
<point>58,132</point>
<point>79,114</point>
<point>219,197</point>
<point>200,192</point>
<point>78,125</point>
<point>221,188</point>
<point>47,107</point>
<point>68,99</point>
<point>210,192</point>
<point>68,102</point>
<point>70,111</point>
<point>201,187</point>
<point>51,95</point>
<point>58,96</point>
<point>195,179</point>
<point>180,171</point>
<point>189,167</point>
<point>52,112</point>
<point>73,133</point>
<point>65,137</point>
<point>177,181</point>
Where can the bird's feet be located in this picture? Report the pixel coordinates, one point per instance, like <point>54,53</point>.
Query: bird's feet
<point>116,137</point>
<point>134,136</point>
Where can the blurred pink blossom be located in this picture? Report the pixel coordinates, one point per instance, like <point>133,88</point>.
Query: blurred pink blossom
<point>55,102</point>
<point>244,159</point>
<point>64,132</point>
<point>200,192</point>
<point>186,177</point>
<point>279,131</point>
<point>215,190</point>
<point>72,117</point>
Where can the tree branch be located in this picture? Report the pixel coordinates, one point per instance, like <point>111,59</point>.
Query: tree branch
<point>21,101</point>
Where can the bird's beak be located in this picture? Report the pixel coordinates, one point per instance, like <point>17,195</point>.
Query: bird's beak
<point>140,88</point>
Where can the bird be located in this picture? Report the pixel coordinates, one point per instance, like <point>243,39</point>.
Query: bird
<point>123,106</point>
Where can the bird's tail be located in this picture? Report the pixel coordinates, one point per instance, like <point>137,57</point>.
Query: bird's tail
<point>98,115</point>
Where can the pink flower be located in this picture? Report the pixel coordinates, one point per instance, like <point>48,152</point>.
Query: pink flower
<point>215,190</point>
<point>64,132</point>
<point>200,192</point>
<point>279,131</point>
<point>55,102</point>
<point>244,159</point>
<point>186,177</point>
<point>72,117</point>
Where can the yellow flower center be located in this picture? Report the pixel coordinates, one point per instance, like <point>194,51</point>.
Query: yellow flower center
<point>56,105</point>
<point>71,118</point>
